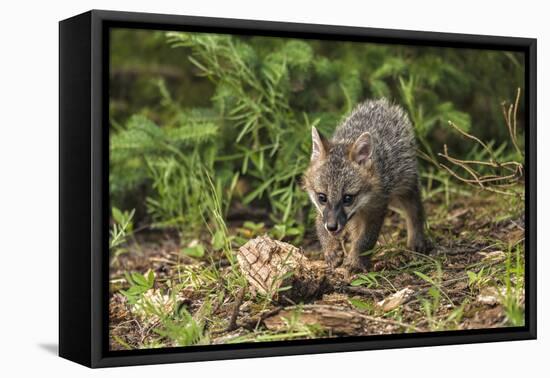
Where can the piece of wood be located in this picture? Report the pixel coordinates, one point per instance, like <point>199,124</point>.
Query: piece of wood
<point>336,320</point>
<point>332,319</point>
<point>395,300</point>
<point>236,307</point>
<point>281,271</point>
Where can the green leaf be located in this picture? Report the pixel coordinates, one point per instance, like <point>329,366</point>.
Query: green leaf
<point>150,278</point>
<point>195,251</point>
<point>258,191</point>
<point>139,279</point>
<point>192,131</point>
<point>253,226</point>
<point>425,277</point>
<point>284,288</point>
<point>136,290</point>
<point>358,282</point>
<point>240,240</point>
<point>359,304</point>
<point>293,231</point>
<point>128,278</point>
<point>118,216</point>
<point>446,112</point>
<point>218,240</point>
<point>434,292</point>
<point>369,279</point>
<point>472,277</point>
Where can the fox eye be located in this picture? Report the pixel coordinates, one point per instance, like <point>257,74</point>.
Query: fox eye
<point>322,197</point>
<point>348,199</point>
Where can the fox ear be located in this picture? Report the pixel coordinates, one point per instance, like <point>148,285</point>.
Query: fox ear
<point>318,145</point>
<point>361,151</point>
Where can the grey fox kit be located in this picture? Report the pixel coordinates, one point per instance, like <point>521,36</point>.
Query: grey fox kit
<point>368,165</point>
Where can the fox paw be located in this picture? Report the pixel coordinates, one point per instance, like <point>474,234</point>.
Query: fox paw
<point>356,265</point>
<point>334,259</point>
<point>421,245</point>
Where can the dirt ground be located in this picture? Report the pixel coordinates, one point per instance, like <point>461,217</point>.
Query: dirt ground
<point>472,279</point>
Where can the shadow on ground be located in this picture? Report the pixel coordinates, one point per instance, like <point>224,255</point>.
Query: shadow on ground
<point>51,348</point>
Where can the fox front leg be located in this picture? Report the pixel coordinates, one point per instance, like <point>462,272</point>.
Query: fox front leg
<point>365,230</point>
<point>411,203</point>
<point>330,246</point>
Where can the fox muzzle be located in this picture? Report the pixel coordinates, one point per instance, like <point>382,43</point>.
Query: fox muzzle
<point>334,218</point>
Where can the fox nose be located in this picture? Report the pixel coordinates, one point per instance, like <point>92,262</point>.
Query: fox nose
<point>331,227</point>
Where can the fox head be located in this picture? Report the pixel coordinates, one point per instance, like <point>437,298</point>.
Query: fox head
<point>340,179</point>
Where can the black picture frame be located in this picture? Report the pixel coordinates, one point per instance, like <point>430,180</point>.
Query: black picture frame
<point>84,195</point>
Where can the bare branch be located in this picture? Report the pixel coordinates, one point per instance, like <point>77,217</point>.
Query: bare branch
<point>497,181</point>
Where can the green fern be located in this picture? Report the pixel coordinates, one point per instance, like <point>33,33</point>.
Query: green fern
<point>167,158</point>
<point>143,136</point>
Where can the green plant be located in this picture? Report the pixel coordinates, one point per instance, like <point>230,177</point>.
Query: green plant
<point>183,329</point>
<point>512,299</point>
<point>361,305</point>
<point>371,280</point>
<point>153,308</point>
<point>424,120</point>
<point>478,279</point>
<point>431,305</point>
<point>121,229</point>
<point>139,284</point>
<point>252,96</point>
<point>194,250</point>
<point>366,279</point>
<point>158,155</point>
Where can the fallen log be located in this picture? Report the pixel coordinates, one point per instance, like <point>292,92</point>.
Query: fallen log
<point>337,320</point>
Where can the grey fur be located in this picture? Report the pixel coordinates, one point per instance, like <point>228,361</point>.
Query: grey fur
<point>372,156</point>
<point>394,142</point>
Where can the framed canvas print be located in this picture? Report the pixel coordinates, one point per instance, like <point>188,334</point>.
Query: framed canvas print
<point>234,188</point>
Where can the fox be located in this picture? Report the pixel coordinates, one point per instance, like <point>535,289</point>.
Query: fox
<point>368,166</point>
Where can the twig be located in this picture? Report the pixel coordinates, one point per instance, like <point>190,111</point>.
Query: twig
<point>510,118</point>
<point>374,293</point>
<point>238,302</point>
<point>494,182</point>
<point>470,136</point>
<point>464,166</point>
<point>254,323</point>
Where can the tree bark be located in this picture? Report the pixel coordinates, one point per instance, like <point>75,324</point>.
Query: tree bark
<point>336,320</point>
<point>281,271</point>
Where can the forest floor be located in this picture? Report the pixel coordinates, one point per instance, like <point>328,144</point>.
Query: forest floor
<point>474,279</point>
